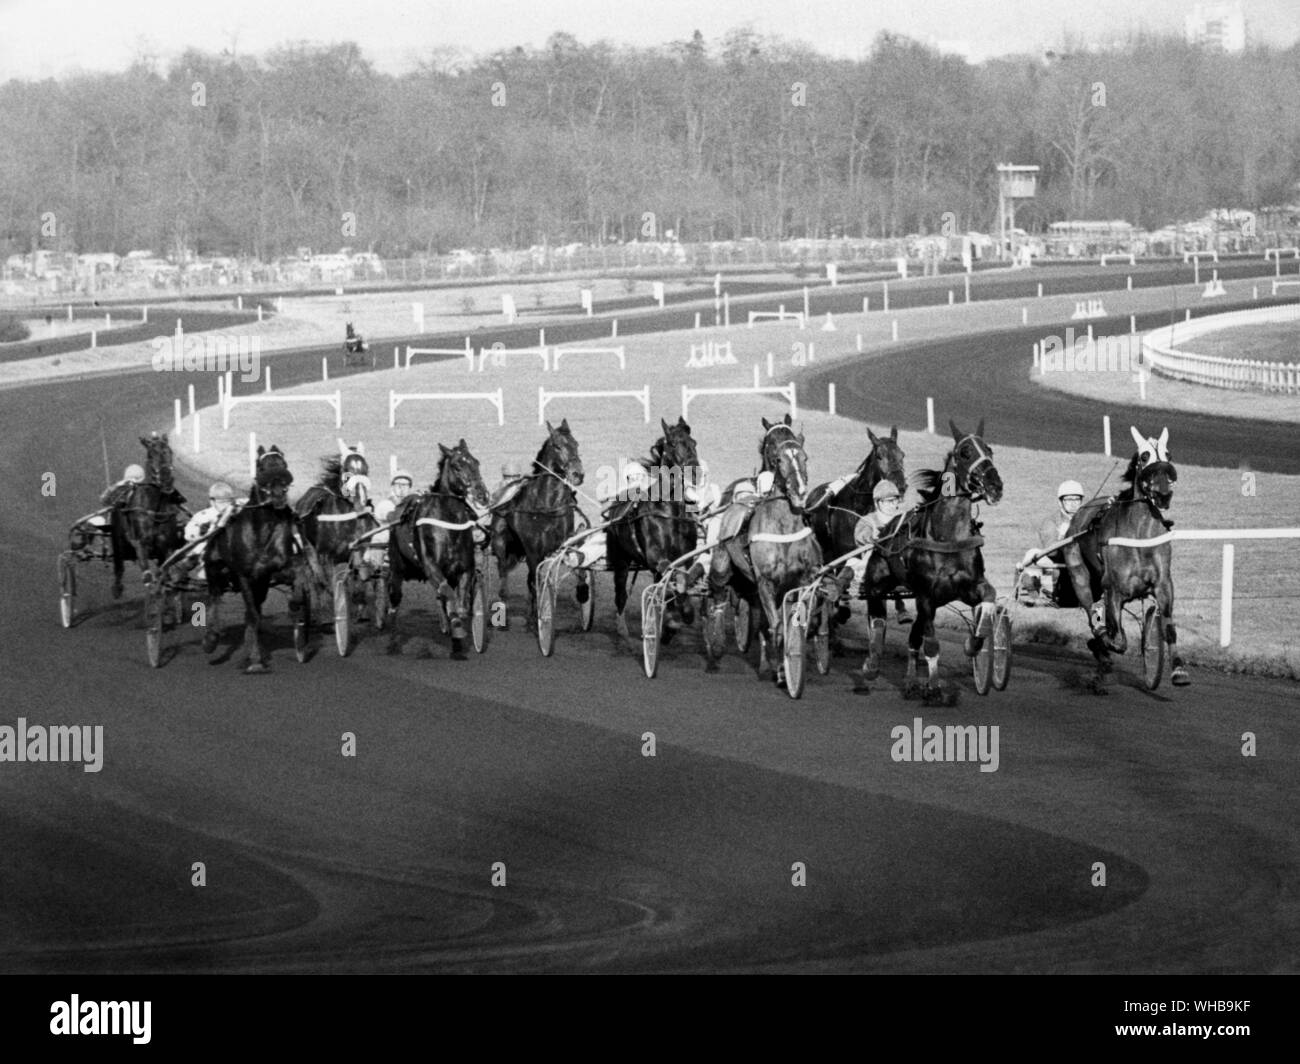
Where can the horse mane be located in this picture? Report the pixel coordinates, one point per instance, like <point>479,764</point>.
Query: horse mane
<point>927,482</point>
<point>331,476</point>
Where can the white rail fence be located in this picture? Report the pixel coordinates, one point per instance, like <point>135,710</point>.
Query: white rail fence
<point>1159,353</point>
<point>396,399</point>
<point>229,402</point>
<point>465,352</point>
<point>544,397</point>
<point>1229,555</point>
<point>786,391</point>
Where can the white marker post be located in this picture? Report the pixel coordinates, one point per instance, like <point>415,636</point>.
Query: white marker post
<point>508,308</point>
<point>324,369</point>
<point>1105,433</point>
<point>770,371</point>
<point>805,304</point>
<point>586,301</point>
<point>1225,597</point>
<point>177,430</point>
<point>830,397</point>
<point>190,392</point>
<point>726,309</point>
<point>252,454</point>
<point>417,316</point>
<point>929,415</point>
<point>1024,315</point>
<point>659,293</point>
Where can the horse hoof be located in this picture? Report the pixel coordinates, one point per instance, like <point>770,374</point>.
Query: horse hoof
<point>871,670</point>
<point>209,644</point>
<point>1179,677</point>
<point>710,665</point>
<point>117,591</point>
<point>253,668</point>
<point>582,593</point>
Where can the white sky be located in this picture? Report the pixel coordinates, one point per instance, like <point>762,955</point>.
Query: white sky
<point>48,38</point>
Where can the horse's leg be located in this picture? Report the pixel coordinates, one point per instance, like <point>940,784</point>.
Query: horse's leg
<point>1178,674</point>
<point>984,606</point>
<point>1116,640</point>
<point>715,626</point>
<point>252,660</point>
<point>772,615</point>
<point>459,598</point>
<point>620,597</point>
<point>211,622</point>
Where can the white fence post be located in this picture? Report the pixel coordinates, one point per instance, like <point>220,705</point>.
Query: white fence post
<point>1225,597</point>
<point>1105,432</point>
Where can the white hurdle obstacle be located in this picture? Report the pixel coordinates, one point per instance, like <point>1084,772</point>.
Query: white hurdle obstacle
<point>466,352</point>
<point>557,353</point>
<point>778,315</point>
<point>543,352</point>
<point>544,397</point>
<point>229,401</point>
<point>786,391</point>
<point>396,399</point>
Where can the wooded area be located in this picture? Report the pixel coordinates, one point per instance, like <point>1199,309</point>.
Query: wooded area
<point>744,137</point>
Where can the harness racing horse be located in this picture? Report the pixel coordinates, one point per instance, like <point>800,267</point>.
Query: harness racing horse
<point>1115,574</point>
<point>259,546</point>
<point>771,554</point>
<point>434,540</point>
<point>353,344</point>
<point>336,509</point>
<point>144,522</point>
<point>650,532</point>
<point>941,554</point>
<point>835,517</point>
<point>535,520</point>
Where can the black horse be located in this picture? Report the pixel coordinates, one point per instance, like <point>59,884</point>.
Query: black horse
<point>336,509</point>
<point>145,521</point>
<point>940,552</point>
<point>434,540</point>
<point>770,554</point>
<point>834,518</point>
<point>258,546</point>
<point>1113,574</point>
<point>649,533</point>
<point>534,521</point>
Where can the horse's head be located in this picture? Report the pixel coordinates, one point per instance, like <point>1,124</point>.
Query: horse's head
<point>158,460</point>
<point>559,454</point>
<point>885,462</point>
<point>1150,473</point>
<point>459,475</point>
<point>784,457</point>
<point>350,335</point>
<point>971,460</point>
<point>677,447</point>
<point>273,477</point>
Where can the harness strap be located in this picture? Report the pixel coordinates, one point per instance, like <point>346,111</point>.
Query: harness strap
<point>338,517</point>
<point>780,537</point>
<point>454,526</point>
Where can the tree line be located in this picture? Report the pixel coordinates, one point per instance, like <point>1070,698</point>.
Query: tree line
<point>745,137</point>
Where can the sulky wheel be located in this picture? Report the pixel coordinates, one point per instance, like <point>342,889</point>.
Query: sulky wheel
<point>478,607</point>
<point>67,589</point>
<point>342,588</point>
<point>1001,649</point>
<point>652,623</point>
<point>1153,648</point>
<point>546,595</point>
<point>794,622</point>
<point>588,607</point>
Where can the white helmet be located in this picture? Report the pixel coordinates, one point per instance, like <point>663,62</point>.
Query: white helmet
<point>403,474</point>
<point>1069,487</point>
<point>221,492</point>
<point>134,473</point>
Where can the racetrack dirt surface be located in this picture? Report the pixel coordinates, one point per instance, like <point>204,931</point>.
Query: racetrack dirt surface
<point>614,861</point>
